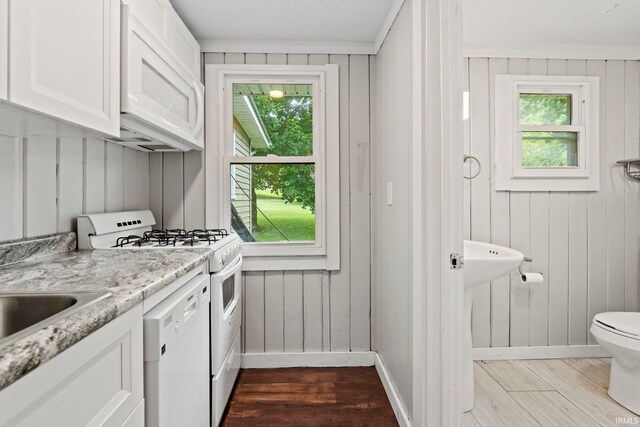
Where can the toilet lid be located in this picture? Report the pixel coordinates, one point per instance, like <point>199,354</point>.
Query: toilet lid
<point>626,323</point>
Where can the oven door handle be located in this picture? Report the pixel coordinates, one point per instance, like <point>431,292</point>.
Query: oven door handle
<point>229,269</point>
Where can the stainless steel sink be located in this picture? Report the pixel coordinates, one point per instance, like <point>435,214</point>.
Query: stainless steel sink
<point>24,313</point>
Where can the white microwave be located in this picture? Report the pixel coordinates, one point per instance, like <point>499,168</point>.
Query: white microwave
<point>162,98</point>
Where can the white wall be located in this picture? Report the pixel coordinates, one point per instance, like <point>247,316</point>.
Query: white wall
<point>46,182</point>
<point>391,225</point>
<point>585,244</point>
<point>294,311</point>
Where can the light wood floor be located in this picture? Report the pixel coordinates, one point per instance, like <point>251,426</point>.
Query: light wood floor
<point>560,392</point>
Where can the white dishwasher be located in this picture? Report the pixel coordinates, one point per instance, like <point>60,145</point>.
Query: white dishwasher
<point>176,358</point>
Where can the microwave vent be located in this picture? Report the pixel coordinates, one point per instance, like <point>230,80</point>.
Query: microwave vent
<point>157,147</point>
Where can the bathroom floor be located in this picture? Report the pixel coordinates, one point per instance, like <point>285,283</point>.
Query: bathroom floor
<point>558,392</point>
<point>309,397</point>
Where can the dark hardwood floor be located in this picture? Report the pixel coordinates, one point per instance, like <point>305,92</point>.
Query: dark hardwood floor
<point>309,397</point>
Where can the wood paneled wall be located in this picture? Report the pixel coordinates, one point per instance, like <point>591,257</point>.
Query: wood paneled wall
<point>295,311</point>
<point>392,231</point>
<point>585,243</point>
<point>46,182</point>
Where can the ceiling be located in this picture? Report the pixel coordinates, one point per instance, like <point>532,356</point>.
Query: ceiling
<point>527,28</point>
<point>354,24</point>
<point>581,25</point>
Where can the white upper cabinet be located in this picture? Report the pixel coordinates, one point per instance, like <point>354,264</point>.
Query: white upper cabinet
<point>162,21</point>
<point>161,87</point>
<point>4,47</point>
<point>63,60</point>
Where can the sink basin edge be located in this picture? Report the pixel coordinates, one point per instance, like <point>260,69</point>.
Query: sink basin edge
<point>486,262</point>
<point>20,301</point>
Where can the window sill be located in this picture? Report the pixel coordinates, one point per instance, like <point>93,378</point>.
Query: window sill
<point>279,263</point>
<point>547,184</point>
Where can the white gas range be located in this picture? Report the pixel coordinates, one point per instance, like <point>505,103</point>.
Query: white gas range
<point>134,230</point>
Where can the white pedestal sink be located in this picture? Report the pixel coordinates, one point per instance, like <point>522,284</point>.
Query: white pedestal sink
<point>483,262</point>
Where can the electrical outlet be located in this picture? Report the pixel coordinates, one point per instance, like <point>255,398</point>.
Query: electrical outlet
<point>389,193</point>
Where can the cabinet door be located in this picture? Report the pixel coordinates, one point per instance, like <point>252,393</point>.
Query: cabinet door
<point>136,419</point>
<point>164,23</point>
<point>64,60</point>
<point>158,89</point>
<point>96,382</point>
<point>4,47</point>
<point>184,46</point>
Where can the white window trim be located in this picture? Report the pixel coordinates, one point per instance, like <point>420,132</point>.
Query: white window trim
<point>234,196</point>
<point>324,253</point>
<point>509,173</point>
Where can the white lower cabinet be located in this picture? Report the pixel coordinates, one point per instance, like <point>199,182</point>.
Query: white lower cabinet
<point>96,382</point>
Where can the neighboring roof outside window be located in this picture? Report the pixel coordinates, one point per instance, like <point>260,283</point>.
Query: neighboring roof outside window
<point>246,113</point>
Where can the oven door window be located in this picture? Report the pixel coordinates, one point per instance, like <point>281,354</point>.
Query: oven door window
<point>228,290</point>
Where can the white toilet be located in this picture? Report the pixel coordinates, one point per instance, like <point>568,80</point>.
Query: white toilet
<point>619,334</point>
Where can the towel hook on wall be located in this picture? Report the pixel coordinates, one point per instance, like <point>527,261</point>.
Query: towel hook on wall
<point>631,173</point>
<point>469,157</point>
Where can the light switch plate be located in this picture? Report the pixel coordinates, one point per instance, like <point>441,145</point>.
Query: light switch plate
<point>389,193</point>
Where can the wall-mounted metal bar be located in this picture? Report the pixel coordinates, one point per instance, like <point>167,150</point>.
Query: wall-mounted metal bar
<point>468,157</point>
<point>631,168</point>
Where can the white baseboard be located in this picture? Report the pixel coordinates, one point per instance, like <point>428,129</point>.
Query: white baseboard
<point>539,352</point>
<point>301,360</point>
<point>392,394</point>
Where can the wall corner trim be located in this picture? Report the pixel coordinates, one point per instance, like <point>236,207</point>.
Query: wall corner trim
<point>539,352</point>
<point>307,360</point>
<point>550,51</point>
<point>392,394</point>
<point>286,46</point>
<point>393,12</point>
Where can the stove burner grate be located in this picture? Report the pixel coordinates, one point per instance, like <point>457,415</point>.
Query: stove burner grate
<point>171,237</point>
<point>132,239</point>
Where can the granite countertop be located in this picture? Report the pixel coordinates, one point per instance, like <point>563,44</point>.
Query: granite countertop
<point>130,276</point>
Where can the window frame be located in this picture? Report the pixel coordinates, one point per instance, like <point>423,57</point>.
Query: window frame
<point>236,137</point>
<point>324,252</point>
<point>510,174</point>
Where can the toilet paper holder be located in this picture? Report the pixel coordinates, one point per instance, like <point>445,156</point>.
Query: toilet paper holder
<point>526,259</point>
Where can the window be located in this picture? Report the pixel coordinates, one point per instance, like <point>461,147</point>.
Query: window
<point>278,151</point>
<point>546,133</point>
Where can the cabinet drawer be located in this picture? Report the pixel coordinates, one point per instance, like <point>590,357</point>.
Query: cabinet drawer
<point>222,383</point>
<point>96,382</point>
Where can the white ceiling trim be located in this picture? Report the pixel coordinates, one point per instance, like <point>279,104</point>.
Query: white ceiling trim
<point>309,47</point>
<point>393,12</point>
<point>551,51</point>
<point>286,46</point>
